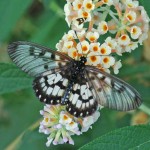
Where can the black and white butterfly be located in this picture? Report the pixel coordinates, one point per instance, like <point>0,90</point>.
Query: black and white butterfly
<point>59,79</point>
<point>81,20</point>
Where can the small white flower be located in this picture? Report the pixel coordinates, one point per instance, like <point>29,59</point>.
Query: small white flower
<point>131,16</point>
<point>105,49</point>
<point>83,47</point>
<point>96,17</point>
<point>131,3</point>
<point>135,32</point>
<point>80,33</point>
<point>64,118</point>
<point>88,5</point>
<point>67,9</point>
<point>95,47</point>
<point>77,4</point>
<point>131,46</point>
<point>59,45</point>
<point>73,53</point>
<point>92,36</point>
<point>93,58</point>
<point>108,2</point>
<point>119,50</point>
<point>111,42</point>
<point>108,61</point>
<point>88,121</point>
<point>143,37</point>
<point>102,27</point>
<point>117,66</point>
<point>144,14</point>
<point>124,40</point>
<point>68,44</point>
<point>84,14</point>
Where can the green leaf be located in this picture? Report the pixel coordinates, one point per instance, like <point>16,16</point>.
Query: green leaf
<point>10,12</point>
<point>125,138</point>
<point>13,79</point>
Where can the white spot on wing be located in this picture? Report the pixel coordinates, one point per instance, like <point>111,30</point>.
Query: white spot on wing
<point>49,91</point>
<point>55,90</point>
<point>78,104</point>
<point>61,92</point>
<point>75,98</point>
<point>83,87</point>
<point>42,85</point>
<point>58,77</point>
<point>65,82</point>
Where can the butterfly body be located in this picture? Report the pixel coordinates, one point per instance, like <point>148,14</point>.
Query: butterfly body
<point>59,79</point>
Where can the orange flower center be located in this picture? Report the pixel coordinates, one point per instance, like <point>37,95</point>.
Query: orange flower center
<point>95,48</point>
<point>103,50</point>
<point>134,30</point>
<point>105,1</point>
<point>92,38</point>
<point>79,6</point>
<point>85,14</point>
<point>105,28</point>
<point>71,123</point>
<point>84,48</point>
<point>89,5</point>
<point>123,37</point>
<point>74,54</point>
<point>130,17</point>
<point>65,117</point>
<point>106,60</point>
<point>46,119</point>
<point>93,58</point>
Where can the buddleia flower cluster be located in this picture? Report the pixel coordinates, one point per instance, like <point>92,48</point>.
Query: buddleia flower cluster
<point>99,30</point>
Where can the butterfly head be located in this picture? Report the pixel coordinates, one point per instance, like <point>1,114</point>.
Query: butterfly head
<point>83,59</point>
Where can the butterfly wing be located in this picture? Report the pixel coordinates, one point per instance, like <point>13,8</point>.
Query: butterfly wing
<point>82,99</point>
<point>113,92</point>
<point>35,59</point>
<point>51,86</point>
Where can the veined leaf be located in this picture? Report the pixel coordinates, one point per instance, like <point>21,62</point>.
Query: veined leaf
<point>132,137</point>
<point>13,79</point>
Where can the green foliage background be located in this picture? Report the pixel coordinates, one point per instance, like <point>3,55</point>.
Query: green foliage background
<point>43,22</point>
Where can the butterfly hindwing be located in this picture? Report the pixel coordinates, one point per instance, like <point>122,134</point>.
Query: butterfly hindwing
<point>81,100</point>
<point>35,59</point>
<point>50,87</point>
<point>113,92</point>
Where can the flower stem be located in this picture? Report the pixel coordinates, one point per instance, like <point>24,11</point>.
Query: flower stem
<point>145,109</point>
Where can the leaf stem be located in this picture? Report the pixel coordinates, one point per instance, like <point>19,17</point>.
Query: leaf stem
<point>145,109</point>
<point>13,145</point>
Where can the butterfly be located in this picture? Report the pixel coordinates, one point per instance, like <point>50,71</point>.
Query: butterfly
<point>59,79</point>
<point>81,20</point>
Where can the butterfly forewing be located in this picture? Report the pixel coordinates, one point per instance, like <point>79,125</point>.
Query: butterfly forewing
<point>113,92</point>
<point>35,59</point>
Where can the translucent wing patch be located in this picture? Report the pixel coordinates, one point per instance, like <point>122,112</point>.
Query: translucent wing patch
<point>35,59</point>
<point>50,87</point>
<point>113,92</point>
<point>81,101</point>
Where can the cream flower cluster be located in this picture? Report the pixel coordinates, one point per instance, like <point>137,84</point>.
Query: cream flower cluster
<point>124,20</point>
<point>60,125</point>
<point>97,54</point>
